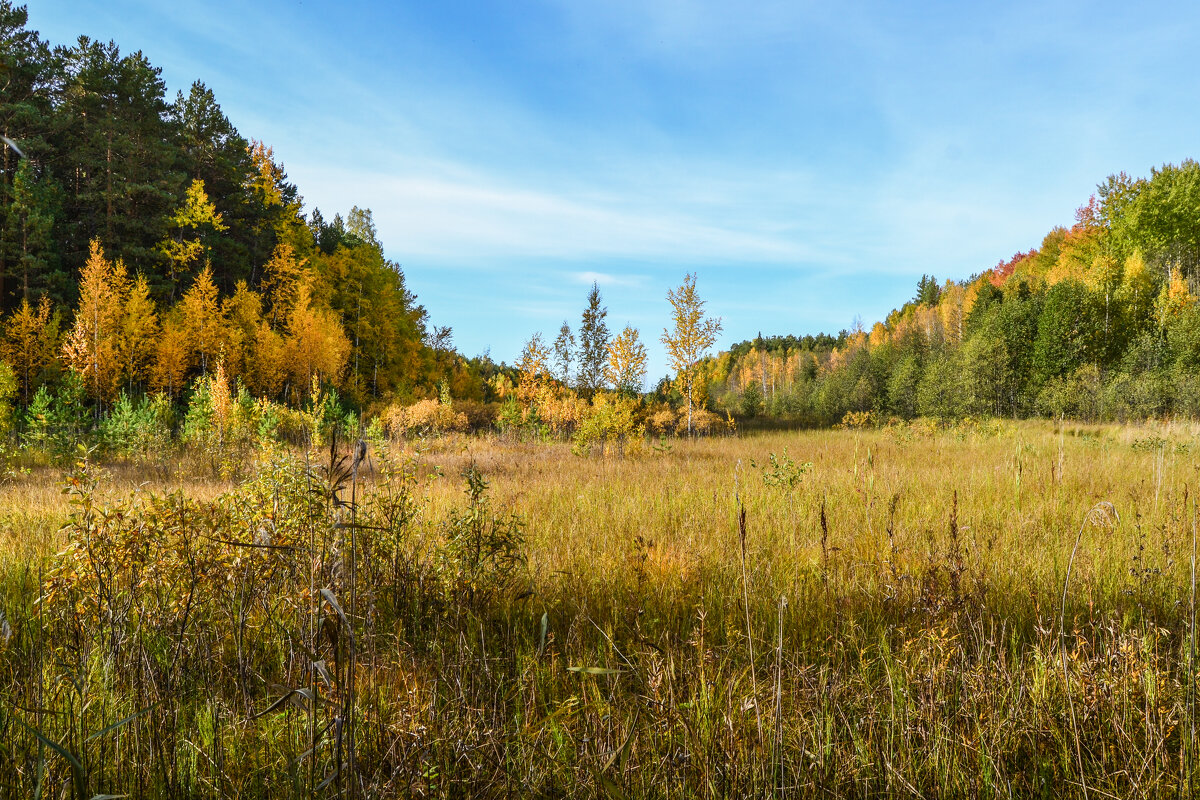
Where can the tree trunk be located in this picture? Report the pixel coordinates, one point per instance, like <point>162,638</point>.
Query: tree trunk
<point>689,409</point>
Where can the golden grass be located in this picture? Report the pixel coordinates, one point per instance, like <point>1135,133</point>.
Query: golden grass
<point>916,643</point>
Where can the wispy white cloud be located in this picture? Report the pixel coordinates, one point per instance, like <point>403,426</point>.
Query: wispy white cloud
<point>608,279</point>
<point>808,159</point>
<point>456,213</point>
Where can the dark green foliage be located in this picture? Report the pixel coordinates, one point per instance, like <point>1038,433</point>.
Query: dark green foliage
<point>30,80</point>
<point>1069,332</point>
<point>214,152</point>
<point>593,344</point>
<point>752,400</point>
<point>928,291</point>
<point>118,155</point>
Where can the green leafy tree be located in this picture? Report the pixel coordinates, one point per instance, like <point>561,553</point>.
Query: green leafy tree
<point>1070,332</point>
<point>564,353</point>
<point>593,344</point>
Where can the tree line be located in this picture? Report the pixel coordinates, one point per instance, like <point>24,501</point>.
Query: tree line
<point>144,238</point>
<point>1099,322</point>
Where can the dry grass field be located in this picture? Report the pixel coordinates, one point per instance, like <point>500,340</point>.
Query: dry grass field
<point>987,610</point>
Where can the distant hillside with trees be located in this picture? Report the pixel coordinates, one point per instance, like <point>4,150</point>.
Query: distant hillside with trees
<point>1099,322</point>
<point>143,239</point>
<point>159,274</point>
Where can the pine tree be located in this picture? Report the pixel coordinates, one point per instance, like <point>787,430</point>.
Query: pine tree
<point>593,345</point>
<point>31,219</point>
<point>928,291</point>
<point>32,75</point>
<point>118,158</point>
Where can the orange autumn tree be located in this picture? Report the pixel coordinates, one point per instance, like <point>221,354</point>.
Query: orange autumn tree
<point>138,333</point>
<point>92,346</point>
<point>172,356</point>
<point>316,348</point>
<point>203,321</point>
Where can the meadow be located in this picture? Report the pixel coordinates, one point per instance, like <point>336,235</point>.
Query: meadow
<point>985,609</point>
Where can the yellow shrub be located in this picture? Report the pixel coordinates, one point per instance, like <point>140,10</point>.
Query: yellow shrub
<point>662,421</point>
<point>704,423</point>
<point>422,418</point>
<point>855,420</point>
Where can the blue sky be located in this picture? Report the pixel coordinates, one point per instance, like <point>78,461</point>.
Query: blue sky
<point>808,160</point>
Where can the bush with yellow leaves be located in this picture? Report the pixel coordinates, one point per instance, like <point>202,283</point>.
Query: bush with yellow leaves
<point>610,425</point>
<point>662,420</point>
<point>423,418</point>
<point>704,423</point>
<point>857,420</point>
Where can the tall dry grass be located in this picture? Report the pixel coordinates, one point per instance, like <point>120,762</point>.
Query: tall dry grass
<point>925,612</point>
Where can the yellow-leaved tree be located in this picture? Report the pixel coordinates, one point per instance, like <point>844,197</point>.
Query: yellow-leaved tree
<point>30,344</point>
<point>202,318</point>
<point>535,371</point>
<point>139,332</point>
<point>316,348</point>
<point>626,367</point>
<point>242,312</point>
<point>693,334</point>
<point>266,374</point>
<point>282,276</point>
<point>92,346</point>
<point>1174,298</point>
<point>195,219</point>
<point>1138,287</point>
<point>172,356</point>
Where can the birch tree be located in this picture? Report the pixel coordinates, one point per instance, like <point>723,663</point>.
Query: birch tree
<point>693,334</point>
